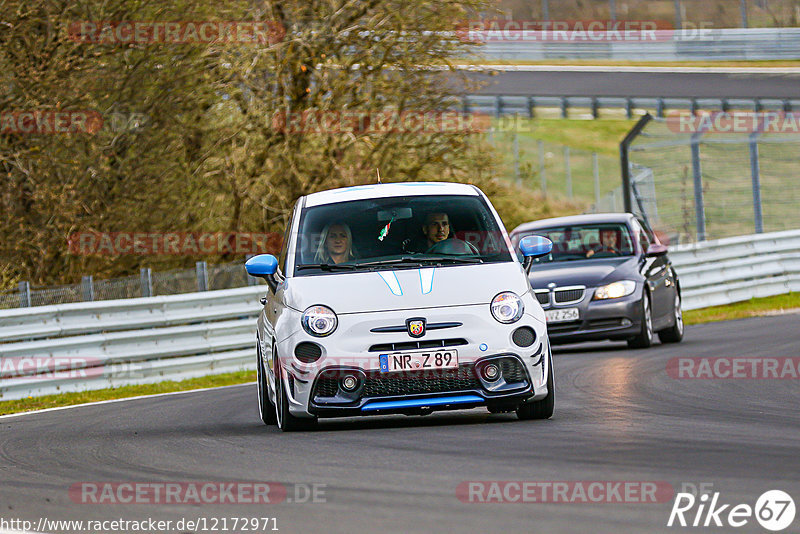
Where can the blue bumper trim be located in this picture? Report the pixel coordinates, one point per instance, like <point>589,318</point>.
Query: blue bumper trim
<point>420,403</point>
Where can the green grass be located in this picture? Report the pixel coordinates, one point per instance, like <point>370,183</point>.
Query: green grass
<point>750,308</point>
<point>740,310</point>
<point>68,399</point>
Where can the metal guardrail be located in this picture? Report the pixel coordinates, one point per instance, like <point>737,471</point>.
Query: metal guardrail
<point>527,105</point>
<point>734,269</point>
<point>678,45</point>
<point>94,345</point>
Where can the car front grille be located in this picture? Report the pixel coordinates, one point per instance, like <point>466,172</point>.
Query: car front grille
<point>543,297</point>
<point>421,344</point>
<point>568,295</point>
<point>411,383</point>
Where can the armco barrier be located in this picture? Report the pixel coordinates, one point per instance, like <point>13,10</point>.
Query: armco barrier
<point>144,340</point>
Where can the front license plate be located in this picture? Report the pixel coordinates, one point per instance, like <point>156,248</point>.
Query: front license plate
<point>559,316</point>
<point>412,361</point>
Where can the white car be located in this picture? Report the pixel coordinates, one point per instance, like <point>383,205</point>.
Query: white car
<point>399,298</point>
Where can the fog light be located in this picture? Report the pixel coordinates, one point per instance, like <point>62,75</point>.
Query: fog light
<point>491,372</point>
<point>349,383</point>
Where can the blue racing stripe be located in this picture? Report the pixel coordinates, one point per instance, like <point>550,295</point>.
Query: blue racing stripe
<point>420,403</point>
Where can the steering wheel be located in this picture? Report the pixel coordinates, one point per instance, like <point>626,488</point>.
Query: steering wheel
<point>453,247</point>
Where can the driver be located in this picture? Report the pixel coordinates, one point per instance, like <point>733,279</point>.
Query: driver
<point>608,243</point>
<point>435,230</point>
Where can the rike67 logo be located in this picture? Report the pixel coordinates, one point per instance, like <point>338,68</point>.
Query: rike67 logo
<point>774,510</point>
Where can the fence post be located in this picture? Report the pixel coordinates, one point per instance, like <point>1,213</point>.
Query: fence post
<point>542,174</point>
<point>743,9</point>
<point>678,21</point>
<point>568,171</point>
<point>146,281</point>
<point>516,157</point>
<point>464,105</point>
<point>87,288</point>
<point>498,106</point>
<point>564,107</point>
<point>531,107</point>
<point>201,268</point>
<point>545,10</point>
<point>24,295</point>
<point>755,173</point>
<point>595,107</point>
<point>629,107</point>
<point>699,206</point>
<point>660,108</point>
<point>596,173</point>
<point>612,7</point>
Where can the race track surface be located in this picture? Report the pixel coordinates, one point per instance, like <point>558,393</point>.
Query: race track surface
<point>619,417</point>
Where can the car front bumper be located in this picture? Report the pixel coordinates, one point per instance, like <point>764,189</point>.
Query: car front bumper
<point>615,319</point>
<point>314,389</point>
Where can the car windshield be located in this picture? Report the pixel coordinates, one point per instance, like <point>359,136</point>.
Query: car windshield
<point>398,232</point>
<point>585,242</point>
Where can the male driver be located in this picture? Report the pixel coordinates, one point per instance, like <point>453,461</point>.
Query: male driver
<point>435,229</point>
<point>608,243</point>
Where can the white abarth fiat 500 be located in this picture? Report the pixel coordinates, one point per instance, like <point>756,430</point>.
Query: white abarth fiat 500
<point>399,298</point>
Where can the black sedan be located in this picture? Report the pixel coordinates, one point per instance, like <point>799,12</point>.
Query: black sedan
<point>608,277</point>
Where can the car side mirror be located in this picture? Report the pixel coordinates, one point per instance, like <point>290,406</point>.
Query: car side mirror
<point>534,246</point>
<point>656,250</point>
<point>263,266</point>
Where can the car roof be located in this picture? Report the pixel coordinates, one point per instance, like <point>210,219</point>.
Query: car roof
<point>591,218</point>
<point>400,189</point>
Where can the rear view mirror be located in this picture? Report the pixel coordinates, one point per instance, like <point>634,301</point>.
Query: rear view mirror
<point>395,214</point>
<point>534,246</point>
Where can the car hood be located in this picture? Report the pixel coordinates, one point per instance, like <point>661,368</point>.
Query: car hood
<point>402,289</point>
<point>589,273</point>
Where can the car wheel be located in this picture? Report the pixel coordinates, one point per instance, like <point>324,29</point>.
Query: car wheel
<point>266,411</point>
<point>285,420</point>
<point>542,409</point>
<point>674,334</point>
<point>645,337</point>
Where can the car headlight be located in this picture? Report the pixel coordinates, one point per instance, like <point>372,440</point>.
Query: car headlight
<point>507,307</point>
<point>319,321</point>
<point>615,290</point>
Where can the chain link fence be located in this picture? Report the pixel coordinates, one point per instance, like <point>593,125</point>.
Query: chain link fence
<point>700,186</point>
<point>203,277</point>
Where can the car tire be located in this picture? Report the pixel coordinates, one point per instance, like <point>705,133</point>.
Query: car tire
<point>266,411</point>
<point>542,409</point>
<point>284,419</point>
<point>645,337</point>
<point>674,334</point>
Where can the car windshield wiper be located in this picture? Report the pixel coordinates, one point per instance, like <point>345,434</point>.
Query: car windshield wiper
<point>419,261</point>
<point>328,266</point>
<point>405,260</point>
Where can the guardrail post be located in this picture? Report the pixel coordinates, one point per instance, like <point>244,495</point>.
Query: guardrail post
<point>498,106</point>
<point>516,157</point>
<point>629,107</point>
<point>699,206</point>
<point>724,105</point>
<point>87,288</point>
<point>531,107</point>
<point>568,171</point>
<point>693,106</point>
<point>542,175</point>
<point>146,281</point>
<point>756,177</point>
<point>787,106</point>
<point>660,108</point>
<point>596,173</point>
<point>201,268</point>
<point>564,107</point>
<point>595,108</point>
<point>24,295</point>
<point>757,107</point>
<point>464,105</point>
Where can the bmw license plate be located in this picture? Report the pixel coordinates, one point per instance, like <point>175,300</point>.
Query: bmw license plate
<point>412,361</point>
<point>560,316</point>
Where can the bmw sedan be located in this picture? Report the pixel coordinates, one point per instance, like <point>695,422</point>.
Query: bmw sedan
<point>607,278</point>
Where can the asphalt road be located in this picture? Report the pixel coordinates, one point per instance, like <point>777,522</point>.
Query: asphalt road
<point>619,416</point>
<point>640,84</point>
